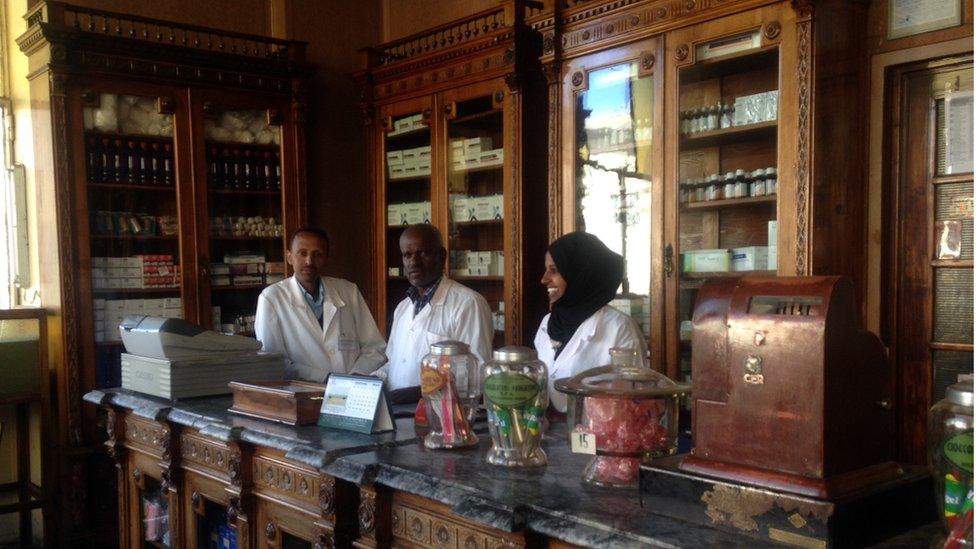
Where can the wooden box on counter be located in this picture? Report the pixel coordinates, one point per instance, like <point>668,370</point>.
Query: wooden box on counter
<point>291,402</point>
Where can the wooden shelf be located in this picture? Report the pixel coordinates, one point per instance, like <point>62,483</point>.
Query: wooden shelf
<point>475,116</point>
<point>131,237</point>
<point>479,169</point>
<point>733,63</point>
<point>238,287</point>
<point>130,136</point>
<point>729,274</point>
<point>245,192</point>
<point>135,291</point>
<point>497,222</point>
<point>735,134</point>
<point>410,133</point>
<point>730,203</point>
<point>214,237</point>
<point>420,178</point>
<point>128,187</point>
<point>268,147</point>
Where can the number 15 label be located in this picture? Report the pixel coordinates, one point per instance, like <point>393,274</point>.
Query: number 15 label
<point>583,442</point>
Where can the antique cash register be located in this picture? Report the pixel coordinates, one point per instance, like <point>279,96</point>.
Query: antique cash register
<point>792,418</point>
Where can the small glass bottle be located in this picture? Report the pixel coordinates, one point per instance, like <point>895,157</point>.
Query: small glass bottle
<point>700,189</point>
<point>771,182</point>
<point>450,389</point>
<point>167,164</point>
<point>728,113</point>
<point>741,185</point>
<point>758,184</point>
<point>516,396</point>
<point>728,190</point>
<point>714,113</point>
<point>950,454</point>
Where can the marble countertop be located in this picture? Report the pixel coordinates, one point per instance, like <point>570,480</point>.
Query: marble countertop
<point>310,444</point>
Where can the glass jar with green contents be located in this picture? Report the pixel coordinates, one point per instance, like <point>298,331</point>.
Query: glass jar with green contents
<point>516,397</point>
<point>950,454</point>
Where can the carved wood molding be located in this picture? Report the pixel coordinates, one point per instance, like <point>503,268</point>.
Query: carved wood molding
<point>555,194</point>
<point>418,527</point>
<point>327,486</point>
<point>151,436</point>
<point>367,513</point>
<point>284,480</point>
<point>492,61</point>
<point>115,445</point>
<point>211,455</point>
<point>802,173</point>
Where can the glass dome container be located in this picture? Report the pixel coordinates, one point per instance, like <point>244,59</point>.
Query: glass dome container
<point>950,459</point>
<point>516,397</point>
<point>450,389</point>
<point>629,412</point>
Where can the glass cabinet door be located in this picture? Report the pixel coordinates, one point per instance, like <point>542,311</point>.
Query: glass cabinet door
<point>476,199</point>
<point>134,241</point>
<point>407,176</point>
<point>726,169</point>
<point>245,212</point>
<point>618,156</point>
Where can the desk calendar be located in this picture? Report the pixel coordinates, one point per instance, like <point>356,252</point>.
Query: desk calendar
<point>356,403</point>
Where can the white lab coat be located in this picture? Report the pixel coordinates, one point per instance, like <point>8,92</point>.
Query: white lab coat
<point>588,348</point>
<point>347,341</point>
<point>455,312</point>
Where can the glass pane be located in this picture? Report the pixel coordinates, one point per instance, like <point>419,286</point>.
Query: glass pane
<point>954,201</point>
<point>289,541</point>
<point>475,189</point>
<point>953,305</point>
<point>727,173</point>
<point>212,529</point>
<point>245,211</point>
<point>614,130</point>
<point>408,171</point>
<point>155,515</point>
<point>947,366</point>
<point>131,178</point>
<point>20,349</point>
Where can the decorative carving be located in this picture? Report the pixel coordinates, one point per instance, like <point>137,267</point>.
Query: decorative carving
<point>209,109</point>
<point>609,28</point>
<point>367,512</point>
<point>233,511</point>
<point>586,35</point>
<point>325,541</point>
<point>275,117</point>
<point>168,480</point>
<point>206,453</point>
<point>421,526</point>
<point>326,495</point>
<point>368,113</point>
<point>165,105</point>
<point>137,475</point>
<point>195,498</point>
<point>647,61</point>
<point>681,52</point>
<point>803,143</point>
<point>577,79</point>
<point>89,98</point>
<point>690,5</point>
<point>234,467</point>
<point>425,116</point>
<point>772,30</point>
<point>660,13</point>
<point>509,56</point>
<point>548,44</point>
<point>270,531</point>
<point>512,82</point>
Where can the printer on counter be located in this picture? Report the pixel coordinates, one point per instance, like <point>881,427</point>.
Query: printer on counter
<point>173,359</point>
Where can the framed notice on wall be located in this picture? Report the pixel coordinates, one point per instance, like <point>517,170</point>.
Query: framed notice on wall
<point>910,17</point>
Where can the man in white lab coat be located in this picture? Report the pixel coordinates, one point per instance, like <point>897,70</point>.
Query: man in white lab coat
<point>320,323</point>
<point>436,309</point>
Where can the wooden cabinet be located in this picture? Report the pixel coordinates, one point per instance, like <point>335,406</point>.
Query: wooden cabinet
<point>455,137</point>
<point>655,100</point>
<point>169,168</point>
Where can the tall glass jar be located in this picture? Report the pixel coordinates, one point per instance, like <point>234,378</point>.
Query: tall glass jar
<point>450,389</point>
<point>516,397</point>
<point>950,454</point>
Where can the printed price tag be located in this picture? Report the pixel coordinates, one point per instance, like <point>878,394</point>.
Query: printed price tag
<point>583,442</point>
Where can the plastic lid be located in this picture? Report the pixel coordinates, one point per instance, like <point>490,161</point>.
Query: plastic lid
<point>514,353</point>
<point>621,382</point>
<point>449,347</point>
<point>960,393</point>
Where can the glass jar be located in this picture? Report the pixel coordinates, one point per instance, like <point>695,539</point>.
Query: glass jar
<point>631,411</point>
<point>450,389</point>
<point>950,455</point>
<point>770,174</point>
<point>516,397</point>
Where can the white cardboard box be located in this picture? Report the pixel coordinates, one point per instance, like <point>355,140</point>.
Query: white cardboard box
<point>477,144</point>
<point>750,258</point>
<point>394,158</point>
<point>494,157</point>
<point>705,261</point>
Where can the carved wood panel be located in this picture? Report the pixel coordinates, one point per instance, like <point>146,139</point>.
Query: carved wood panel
<point>209,454</point>
<point>418,527</point>
<point>283,480</point>
<point>149,436</point>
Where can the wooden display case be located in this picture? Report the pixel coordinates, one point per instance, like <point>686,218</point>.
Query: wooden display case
<point>672,58</point>
<point>455,136</point>
<point>161,150</point>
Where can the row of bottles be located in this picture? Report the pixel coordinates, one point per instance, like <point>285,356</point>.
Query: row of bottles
<point>738,184</point>
<point>705,119</point>
<point>129,161</point>
<point>244,168</point>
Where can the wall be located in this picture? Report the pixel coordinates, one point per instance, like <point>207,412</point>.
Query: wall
<point>405,17</point>
<point>247,16</point>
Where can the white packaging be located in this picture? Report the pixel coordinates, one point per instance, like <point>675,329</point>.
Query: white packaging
<point>394,158</point>
<point>494,157</point>
<point>497,202</point>
<point>99,262</point>
<point>172,303</point>
<point>114,262</point>
<point>750,258</point>
<point>497,265</point>
<point>472,160</point>
<point>705,261</point>
<point>423,167</point>
<point>411,156</point>
<point>393,214</point>
<point>396,172</point>
<point>478,270</point>
<point>477,145</point>
<point>134,261</point>
<point>425,212</point>
<point>459,208</point>
<point>423,153</point>
<point>402,125</point>
<point>482,207</point>
<point>771,230</point>
<point>414,213</point>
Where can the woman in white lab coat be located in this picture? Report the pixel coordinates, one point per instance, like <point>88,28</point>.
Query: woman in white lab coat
<point>582,276</point>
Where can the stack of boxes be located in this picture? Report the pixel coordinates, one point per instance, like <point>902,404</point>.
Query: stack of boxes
<point>747,258</point>
<point>110,312</point>
<point>135,272</point>
<point>475,152</point>
<point>409,163</point>
<point>755,108</point>
<point>246,269</point>
<point>407,125</point>
<point>475,263</point>
<point>407,213</point>
<point>636,307</point>
<point>477,208</point>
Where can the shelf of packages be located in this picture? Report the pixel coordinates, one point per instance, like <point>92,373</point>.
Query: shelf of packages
<point>135,291</point>
<point>410,179</point>
<point>410,133</point>
<point>733,63</point>
<point>474,117</point>
<point>126,187</point>
<point>479,223</point>
<point>129,159</point>
<point>726,274</point>
<point>132,237</point>
<point>734,134</point>
<point>243,167</point>
<point>476,169</point>
<point>729,203</point>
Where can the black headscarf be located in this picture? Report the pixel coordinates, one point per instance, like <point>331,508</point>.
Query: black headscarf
<point>593,273</point>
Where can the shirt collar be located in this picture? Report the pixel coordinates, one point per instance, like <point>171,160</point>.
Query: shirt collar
<point>314,302</point>
<point>421,300</point>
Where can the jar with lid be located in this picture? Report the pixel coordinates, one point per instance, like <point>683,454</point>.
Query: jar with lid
<point>741,184</point>
<point>714,189</point>
<point>728,190</point>
<point>950,455</point>
<point>629,412</point>
<point>683,191</point>
<point>728,113</point>
<point>700,185</point>
<point>758,185</point>
<point>450,389</point>
<point>713,116</point>
<point>516,396</point>
<point>770,181</point>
